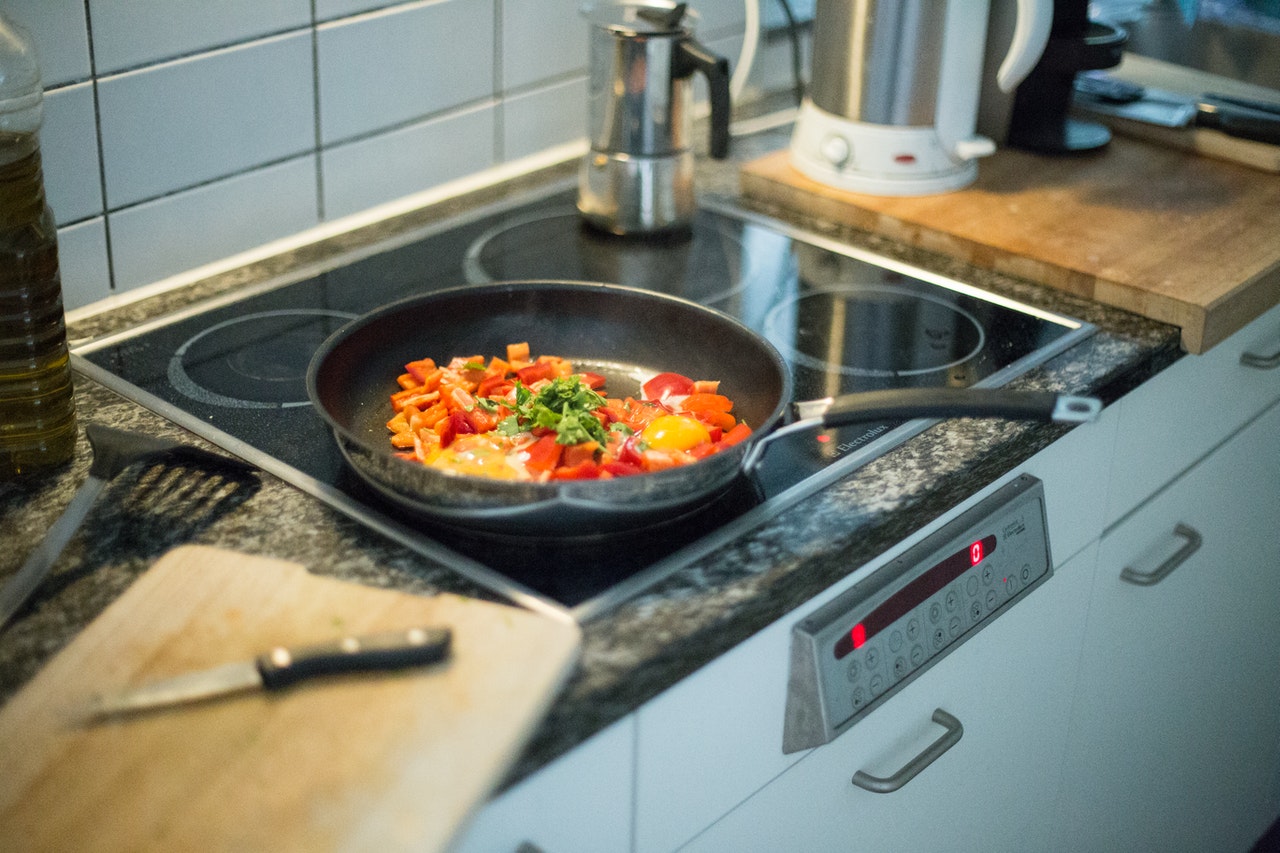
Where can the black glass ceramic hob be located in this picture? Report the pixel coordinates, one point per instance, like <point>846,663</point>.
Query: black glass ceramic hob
<point>234,370</point>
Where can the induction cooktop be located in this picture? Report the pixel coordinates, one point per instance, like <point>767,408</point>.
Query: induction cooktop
<point>233,370</point>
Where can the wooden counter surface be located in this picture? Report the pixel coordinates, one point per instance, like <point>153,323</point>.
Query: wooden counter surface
<point>1167,234</point>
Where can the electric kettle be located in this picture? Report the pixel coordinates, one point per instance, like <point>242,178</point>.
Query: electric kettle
<point>637,177</point>
<point>893,102</point>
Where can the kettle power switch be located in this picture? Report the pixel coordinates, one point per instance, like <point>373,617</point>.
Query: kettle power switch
<point>974,147</point>
<point>836,150</point>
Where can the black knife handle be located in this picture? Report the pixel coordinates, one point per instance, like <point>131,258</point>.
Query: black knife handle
<point>281,667</point>
<point>1239,121</point>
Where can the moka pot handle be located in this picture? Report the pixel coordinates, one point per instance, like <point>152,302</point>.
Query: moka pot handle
<point>691,56</point>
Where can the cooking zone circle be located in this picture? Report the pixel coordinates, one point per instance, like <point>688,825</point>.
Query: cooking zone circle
<point>258,361</point>
<point>869,331</point>
<point>703,266</point>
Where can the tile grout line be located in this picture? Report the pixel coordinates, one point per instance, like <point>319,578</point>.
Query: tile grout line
<point>315,98</point>
<point>102,165</point>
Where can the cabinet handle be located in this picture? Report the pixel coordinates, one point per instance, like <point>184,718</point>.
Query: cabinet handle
<point>1261,362</point>
<point>887,785</point>
<point>1160,572</point>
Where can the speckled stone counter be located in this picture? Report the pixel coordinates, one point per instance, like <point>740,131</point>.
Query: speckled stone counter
<point>635,650</point>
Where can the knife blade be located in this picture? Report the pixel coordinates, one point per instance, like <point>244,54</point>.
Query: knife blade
<point>279,668</point>
<point>1109,96</point>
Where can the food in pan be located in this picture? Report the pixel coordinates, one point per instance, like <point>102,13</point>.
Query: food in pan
<point>526,418</point>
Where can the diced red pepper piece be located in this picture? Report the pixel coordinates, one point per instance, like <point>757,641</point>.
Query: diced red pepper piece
<point>494,386</point>
<point>456,425</point>
<point>544,454</point>
<point>621,469</point>
<point>716,420</point>
<point>629,452</point>
<point>736,435</point>
<point>479,419</point>
<point>667,384</point>
<point>706,403</point>
<point>594,381</point>
<point>535,372</point>
<point>420,369</point>
<point>586,470</point>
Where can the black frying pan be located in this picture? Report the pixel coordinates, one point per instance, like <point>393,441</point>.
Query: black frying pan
<point>625,334</point>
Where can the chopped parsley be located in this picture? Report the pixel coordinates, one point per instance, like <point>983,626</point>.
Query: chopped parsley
<point>564,405</point>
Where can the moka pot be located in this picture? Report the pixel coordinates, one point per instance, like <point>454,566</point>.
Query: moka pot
<point>637,177</point>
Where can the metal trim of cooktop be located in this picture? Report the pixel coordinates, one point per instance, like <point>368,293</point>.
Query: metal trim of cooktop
<point>476,571</point>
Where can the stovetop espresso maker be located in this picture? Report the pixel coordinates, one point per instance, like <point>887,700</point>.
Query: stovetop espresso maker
<point>637,177</point>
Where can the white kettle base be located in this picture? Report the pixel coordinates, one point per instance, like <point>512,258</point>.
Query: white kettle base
<point>880,159</point>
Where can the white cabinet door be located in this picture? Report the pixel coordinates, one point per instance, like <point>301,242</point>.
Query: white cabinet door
<point>579,803</point>
<point>1177,721</point>
<point>1010,689</point>
<point>1177,417</point>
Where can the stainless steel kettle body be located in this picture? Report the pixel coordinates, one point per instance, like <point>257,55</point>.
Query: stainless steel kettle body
<point>637,176</point>
<point>893,103</point>
<point>878,62</point>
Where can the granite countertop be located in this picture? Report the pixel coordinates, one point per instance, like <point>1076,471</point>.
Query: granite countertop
<point>631,652</point>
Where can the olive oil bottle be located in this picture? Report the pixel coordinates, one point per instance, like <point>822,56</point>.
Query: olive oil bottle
<point>37,410</point>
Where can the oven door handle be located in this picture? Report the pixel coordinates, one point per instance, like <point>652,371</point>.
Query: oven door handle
<point>930,754</point>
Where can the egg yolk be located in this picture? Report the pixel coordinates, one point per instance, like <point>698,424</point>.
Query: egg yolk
<point>479,456</point>
<point>674,432</point>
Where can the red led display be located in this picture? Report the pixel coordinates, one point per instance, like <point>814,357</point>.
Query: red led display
<point>914,594</point>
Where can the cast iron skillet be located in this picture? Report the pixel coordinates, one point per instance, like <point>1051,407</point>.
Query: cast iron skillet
<point>625,334</point>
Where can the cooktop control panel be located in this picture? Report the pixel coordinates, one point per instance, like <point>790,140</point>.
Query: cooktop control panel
<point>856,651</point>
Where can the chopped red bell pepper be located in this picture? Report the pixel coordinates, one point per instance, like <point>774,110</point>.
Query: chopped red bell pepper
<point>736,435</point>
<point>536,372</point>
<point>594,381</point>
<point>585,470</point>
<point>667,385</point>
<point>543,454</point>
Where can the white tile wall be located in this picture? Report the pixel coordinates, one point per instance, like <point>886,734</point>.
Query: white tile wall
<point>212,221</point>
<point>170,126</point>
<point>377,169</point>
<point>541,39</point>
<point>219,127</point>
<point>543,118</point>
<point>82,259</point>
<point>69,150</point>
<point>127,33</point>
<point>380,70</point>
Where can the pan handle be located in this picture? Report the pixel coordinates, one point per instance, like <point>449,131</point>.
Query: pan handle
<point>900,404</point>
<point>895,404</point>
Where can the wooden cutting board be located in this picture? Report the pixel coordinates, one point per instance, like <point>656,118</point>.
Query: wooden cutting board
<point>1175,237</point>
<point>368,762</point>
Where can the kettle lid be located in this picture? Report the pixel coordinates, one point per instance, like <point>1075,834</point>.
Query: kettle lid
<point>629,18</point>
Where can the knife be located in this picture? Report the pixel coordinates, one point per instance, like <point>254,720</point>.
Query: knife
<point>1246,119</point>
<point>279,668</point>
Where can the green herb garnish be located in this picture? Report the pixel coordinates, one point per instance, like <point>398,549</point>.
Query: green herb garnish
<point>564,405</point>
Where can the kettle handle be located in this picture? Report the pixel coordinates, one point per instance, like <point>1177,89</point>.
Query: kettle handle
<point>691,56</point>
<point>1030,35</point>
